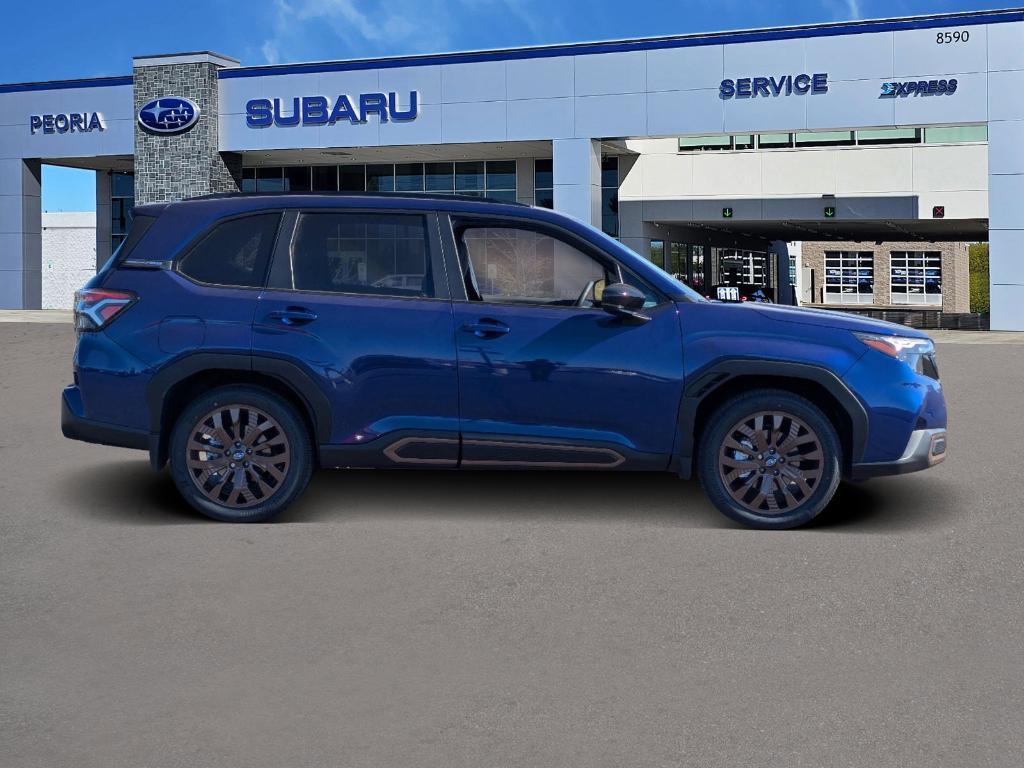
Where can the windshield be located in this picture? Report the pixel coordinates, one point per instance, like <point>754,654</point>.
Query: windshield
<point>682,289</point>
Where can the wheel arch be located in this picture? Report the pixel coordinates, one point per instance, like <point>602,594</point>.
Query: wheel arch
<point>710,389</point>
<point>178,383</point>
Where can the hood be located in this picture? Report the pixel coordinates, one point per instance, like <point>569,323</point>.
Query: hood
<point>827,318</point>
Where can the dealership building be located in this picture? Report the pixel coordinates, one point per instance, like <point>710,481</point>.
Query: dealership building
<point>842,165</point>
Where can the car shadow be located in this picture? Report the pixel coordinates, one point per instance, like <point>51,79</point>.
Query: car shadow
<point>131,493</point>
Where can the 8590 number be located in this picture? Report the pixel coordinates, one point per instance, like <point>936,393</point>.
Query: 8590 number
<point>960,36</point>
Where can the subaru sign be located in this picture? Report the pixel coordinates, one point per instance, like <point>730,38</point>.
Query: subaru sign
<point>783,85</point>
<point>918,88</point>
<point>320,110</point>
<point>169,114</point>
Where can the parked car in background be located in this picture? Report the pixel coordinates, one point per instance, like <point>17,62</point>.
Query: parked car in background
<point>249,339</point>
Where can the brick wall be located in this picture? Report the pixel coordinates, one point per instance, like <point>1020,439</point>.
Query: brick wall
<point>69,256</point>
<point>177,166</point>
<point>955,280</point>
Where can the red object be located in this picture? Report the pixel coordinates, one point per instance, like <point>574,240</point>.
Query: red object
<point>938,211</point>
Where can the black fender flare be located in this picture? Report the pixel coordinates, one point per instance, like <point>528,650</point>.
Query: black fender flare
<point>705,382</point>
<point>288,373</point>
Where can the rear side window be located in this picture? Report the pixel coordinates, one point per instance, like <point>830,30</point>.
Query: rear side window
<point>139,226</point>
<point>377,254</point>
<point>235,253</point>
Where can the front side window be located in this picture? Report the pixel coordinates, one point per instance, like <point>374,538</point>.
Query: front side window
<point>849,277</point>
<point>235,253</point>
<point>509,265</point>
<point>381,254</point>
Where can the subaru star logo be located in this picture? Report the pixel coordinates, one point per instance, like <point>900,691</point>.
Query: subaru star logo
<point>170,114</point>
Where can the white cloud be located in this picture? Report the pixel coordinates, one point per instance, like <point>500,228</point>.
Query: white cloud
<point>302,29</point>
<point>853,9</point>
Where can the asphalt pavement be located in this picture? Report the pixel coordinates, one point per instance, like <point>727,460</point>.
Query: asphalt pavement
<point>507,619</point>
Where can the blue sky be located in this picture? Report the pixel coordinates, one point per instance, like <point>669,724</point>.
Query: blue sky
<point>58,40</point>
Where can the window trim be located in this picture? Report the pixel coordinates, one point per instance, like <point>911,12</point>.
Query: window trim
<point>189,247</point>
<point>286,239</point>
<point>453,263</point>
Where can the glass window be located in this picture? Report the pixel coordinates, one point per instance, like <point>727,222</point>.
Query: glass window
<point>248,179</point>
<point>408,177</point>
<point>825,139</point>
<point>235,253</point>
<point>352,178</point>
<point>543,174</point>
<point>610,172</point>
<point>744,141</point>
<point>122,185</point>
<point>610,211</point>
<point>139,226</point>
<point>657,253</point>
<point>523,266</point>
<point>269,180</point>
<point>469,178</point>
<point>956,134</point>
<point>380,178</point>
<point>440,177</point>
<point>296,178</point>
<point>704,143</point>
<point>916,277</point>
<point>889,136</point>
<point>676,265</point>
<point>849,277</point>
<point>543,183</point>
<point>505,195</point>
<point>501,175</point>
<point>325,178</point>
<point>772,140</point>
<point>696,267</point>
<point>364,253</point>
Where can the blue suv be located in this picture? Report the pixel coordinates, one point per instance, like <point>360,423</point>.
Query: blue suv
<point>248,339</point>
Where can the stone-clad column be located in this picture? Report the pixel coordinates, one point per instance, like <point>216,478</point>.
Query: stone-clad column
<point>176,166</point>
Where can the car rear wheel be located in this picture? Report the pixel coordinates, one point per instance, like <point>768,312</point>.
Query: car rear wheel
<point>770,459</point>
<point>240,454</point>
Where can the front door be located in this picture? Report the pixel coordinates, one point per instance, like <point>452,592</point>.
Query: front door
<point>546,377</point>
<point>359,300</point>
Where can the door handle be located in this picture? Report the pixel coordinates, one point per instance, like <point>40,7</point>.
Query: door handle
<point>485,329</point>
<point>293,316</point>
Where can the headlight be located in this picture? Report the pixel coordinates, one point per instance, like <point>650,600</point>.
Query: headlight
<point>919,354</point>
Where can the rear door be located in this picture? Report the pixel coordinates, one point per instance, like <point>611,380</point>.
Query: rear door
<point>359,299</point>
<point>546,377</point>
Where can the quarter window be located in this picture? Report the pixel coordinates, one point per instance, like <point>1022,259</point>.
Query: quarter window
<point>849,277</point>
<point>363,253</point>
<point>235,253</point>
<point>504,264</point>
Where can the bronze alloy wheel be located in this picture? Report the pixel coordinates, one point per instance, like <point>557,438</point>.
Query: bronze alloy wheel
<point>771,462</point>
<point>237,456</point>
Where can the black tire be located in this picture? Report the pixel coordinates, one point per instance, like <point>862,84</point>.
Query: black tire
<point>758,487</point>
<point>272,466</point>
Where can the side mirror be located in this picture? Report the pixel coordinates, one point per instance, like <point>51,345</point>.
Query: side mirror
<point>623,300</point>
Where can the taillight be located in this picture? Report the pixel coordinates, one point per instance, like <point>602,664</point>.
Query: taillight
<point>97,307</point>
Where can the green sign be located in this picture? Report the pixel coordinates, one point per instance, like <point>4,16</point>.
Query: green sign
<point>727,213</point>
<point>830,212</point>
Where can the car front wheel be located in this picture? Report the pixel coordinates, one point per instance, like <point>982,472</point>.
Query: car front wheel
<point>770,459</point>
<point>240,454</point>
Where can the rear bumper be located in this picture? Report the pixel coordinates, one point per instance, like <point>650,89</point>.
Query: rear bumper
<point>76,427</point>
<point>926,448</point>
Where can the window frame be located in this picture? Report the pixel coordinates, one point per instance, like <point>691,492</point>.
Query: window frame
<point>458,220</point>
<point>281,258</point>
<point>195,242</point>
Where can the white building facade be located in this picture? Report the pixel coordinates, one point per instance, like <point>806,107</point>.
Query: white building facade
<point>899,130</point>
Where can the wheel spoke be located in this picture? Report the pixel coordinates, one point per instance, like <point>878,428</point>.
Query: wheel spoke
<point>769,459</point>
<point>227,473</point>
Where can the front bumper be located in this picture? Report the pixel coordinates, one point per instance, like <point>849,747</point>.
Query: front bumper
<point>77,427</point>
<point>925,448</point>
